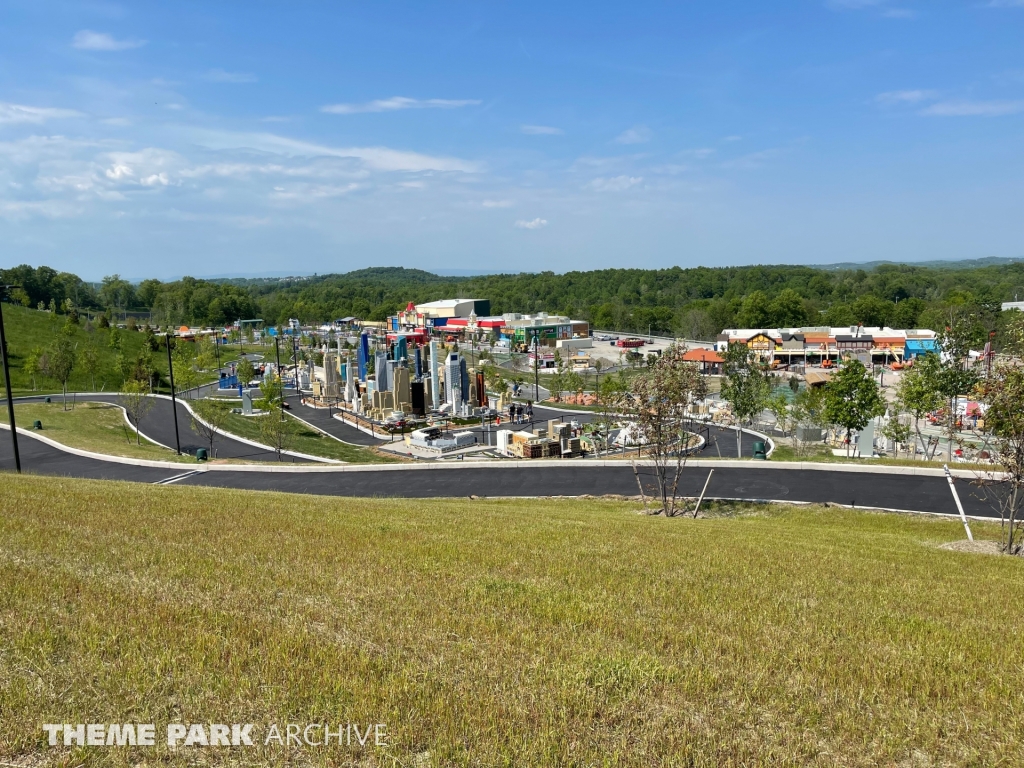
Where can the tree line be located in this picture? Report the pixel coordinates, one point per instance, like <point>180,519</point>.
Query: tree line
<point>693,303</point>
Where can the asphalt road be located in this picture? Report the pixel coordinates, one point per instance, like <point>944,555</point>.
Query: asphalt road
<point>158,424</point>
<point>762,481</point>
<point>322,419</point>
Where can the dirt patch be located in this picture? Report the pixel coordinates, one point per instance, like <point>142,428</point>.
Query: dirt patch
<point>974,547</point>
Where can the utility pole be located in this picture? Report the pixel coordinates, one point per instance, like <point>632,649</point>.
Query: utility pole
<point>7,381</point>
<point>174,402</point>
<point>536,369</point>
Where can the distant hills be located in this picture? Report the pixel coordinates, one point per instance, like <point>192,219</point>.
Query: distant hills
<point>988,261</point>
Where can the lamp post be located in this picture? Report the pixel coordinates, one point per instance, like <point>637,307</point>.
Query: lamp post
<point>536,369</point>
<point>174,402</point>
<point>295,361</point>
<point>7,381</point>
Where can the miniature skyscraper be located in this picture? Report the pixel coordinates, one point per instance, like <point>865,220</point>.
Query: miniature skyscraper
<point>435,390</point>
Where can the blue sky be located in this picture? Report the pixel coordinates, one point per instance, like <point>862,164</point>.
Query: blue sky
<point>162,139</point>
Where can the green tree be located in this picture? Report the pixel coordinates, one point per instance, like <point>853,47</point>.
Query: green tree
<point>917,393</point>
<point>34,364</point>
<point>91,363</point>
<point>657,403</point>
<point>852,398</point>
<point>61,359</point>
<point>245,371</point>
<point>134,398</point>
<point>955,375</point>
<point>809,411</point>
<point>1003,392</point>
<point>746,386</point>
<point>208,419</point>
<point>896,430</point>
<point>275,428</point>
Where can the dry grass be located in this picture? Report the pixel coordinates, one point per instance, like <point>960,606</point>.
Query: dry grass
<point>490,632</point>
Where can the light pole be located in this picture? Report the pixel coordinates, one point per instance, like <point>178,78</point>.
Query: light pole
<point>7,381</point>
<point>536,369</point>
<point>174,402</point>
<point>295,361</point>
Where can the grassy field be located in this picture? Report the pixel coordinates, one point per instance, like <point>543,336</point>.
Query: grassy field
<point>500,633</point>
<point>97,427</point>
<point>29,329</point>
<point>307,440</point>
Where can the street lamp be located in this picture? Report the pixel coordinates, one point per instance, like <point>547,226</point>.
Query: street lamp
<point>7,380</point>
<point>174,402</point>
<point>536,369</point>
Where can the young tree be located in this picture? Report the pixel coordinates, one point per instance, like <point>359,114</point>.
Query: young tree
<point>657,401</point>
<point>61,359</point>
<point>955,375</point>
<point>276,429</point>
<point>852,398</point>
<point>134,398</point>
<point>1003,392</point>
<point>185,375</point>
<point>208,420</point>
<point>206,354</point>
<point>809,410</point>
<point>896,430</point>
<point>33,365</point>
<point>779,406</point>
<point>746,387</point>
<point>917,393</point>
<point>245,371</point>
<point>91,363</point>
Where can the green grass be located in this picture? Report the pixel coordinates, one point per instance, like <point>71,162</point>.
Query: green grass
<point>500,633</point>
<point>29,329</point>
<point>96,427</point>
<point>307,440</point>
<point>820,454</point>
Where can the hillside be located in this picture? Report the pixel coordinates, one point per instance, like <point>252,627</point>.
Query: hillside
<point>31,331</point>
<point>495,632</point>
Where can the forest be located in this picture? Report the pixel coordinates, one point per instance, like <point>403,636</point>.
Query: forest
<point>693,303</point>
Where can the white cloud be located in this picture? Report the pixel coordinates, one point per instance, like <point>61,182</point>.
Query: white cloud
<point>732,138</point>
<point>375,158</point>
<point>87,40</point>
<point>701,153</point>
<point>1006,4</point>
<point>541,130</point>
<point>531,224</point>
<point>753,160</point>
<point>396,103</point>
<point>615,183</point>
<point>497,203</point>
<point>20,113</point>
<point>974,108</point>
<point>221,76</point>
<point>638,134</point>
<point>906,97</point>
<point>887,11</point>
<point>899,13</point>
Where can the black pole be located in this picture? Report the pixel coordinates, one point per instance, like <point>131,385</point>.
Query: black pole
<point>536,370</point>
<point>277,351</point>
<point>174,402</point>
<point>7,382</point>
<point>295,359</point>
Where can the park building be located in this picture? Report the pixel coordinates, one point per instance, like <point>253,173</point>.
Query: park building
<point>817,345</point>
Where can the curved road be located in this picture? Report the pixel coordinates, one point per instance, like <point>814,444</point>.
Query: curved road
<point>751,481</point>
<point>158,424</point>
